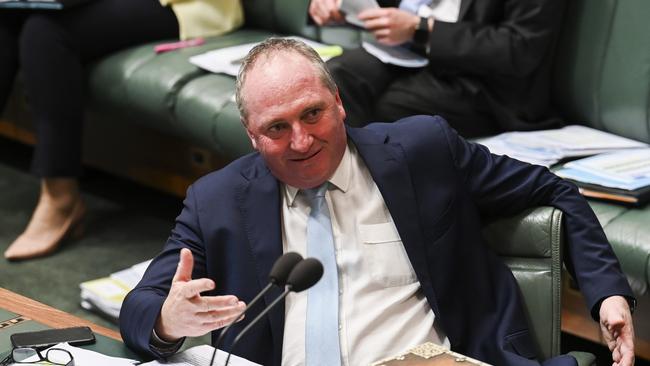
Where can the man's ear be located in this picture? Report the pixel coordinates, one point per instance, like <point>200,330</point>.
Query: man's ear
<point>250,134</point>
<point>339,105</point>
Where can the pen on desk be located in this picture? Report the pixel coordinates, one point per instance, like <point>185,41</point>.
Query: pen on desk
<point>164,47</point>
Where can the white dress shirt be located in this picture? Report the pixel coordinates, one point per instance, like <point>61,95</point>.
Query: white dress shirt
<point>382,310</point>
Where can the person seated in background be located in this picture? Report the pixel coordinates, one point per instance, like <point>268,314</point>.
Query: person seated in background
<point>398,207</point>
<point>52,50</point>
<point>489,63</point>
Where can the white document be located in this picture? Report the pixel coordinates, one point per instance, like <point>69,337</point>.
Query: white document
<point>199,356</point>
<point>627,166</point>
<point>84,357</point>
<point>227,60</point>
<point>351,8</point>
<point>587,177</point>
<point>576,138</point>
<point>547,147</point>
<point>395,55</point>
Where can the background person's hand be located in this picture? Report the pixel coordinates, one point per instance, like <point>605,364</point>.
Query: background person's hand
<point>390,26</point>
<point>185,313</point>
<point>618,330</point>
<point>325,11</point>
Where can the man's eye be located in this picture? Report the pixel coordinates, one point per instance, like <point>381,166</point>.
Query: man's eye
<point>276,128</point>
<point>313,114</point>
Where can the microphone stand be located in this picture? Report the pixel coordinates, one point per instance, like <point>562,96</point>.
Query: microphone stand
<point>259,316</point>
<point>250,305</point>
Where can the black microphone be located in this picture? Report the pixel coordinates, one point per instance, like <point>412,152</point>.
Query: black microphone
<point>278,276</point>
<point>304,275</point>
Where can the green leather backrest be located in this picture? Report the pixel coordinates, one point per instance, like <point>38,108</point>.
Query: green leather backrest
<point>291,17</point>
<point>602,69</point>
<point>530,244</point>
<point>281,16</point>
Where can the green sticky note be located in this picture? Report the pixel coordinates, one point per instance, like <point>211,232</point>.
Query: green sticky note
<point>329,51</point>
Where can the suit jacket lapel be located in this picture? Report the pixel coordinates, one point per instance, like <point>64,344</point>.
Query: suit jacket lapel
<point>260,206</point>
<point>389,169</point>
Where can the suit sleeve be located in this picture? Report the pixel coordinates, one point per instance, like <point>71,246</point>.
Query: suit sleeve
<point>142,305</point>
<point>503,186</point>
<point>513,46</point>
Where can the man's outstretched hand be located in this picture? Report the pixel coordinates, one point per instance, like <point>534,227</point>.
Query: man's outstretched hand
<point>618,330</point>
<point>186,313</point>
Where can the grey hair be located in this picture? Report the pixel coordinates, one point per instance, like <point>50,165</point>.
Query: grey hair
<point>275,45</point>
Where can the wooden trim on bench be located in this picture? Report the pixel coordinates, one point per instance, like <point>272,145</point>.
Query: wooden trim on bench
<point>576,320</point>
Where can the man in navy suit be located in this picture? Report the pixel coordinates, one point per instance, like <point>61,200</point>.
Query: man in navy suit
<point>405,201</point>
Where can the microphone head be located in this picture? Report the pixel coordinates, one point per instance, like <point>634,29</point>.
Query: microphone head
<point>282,267</point>
<point>305,274</point>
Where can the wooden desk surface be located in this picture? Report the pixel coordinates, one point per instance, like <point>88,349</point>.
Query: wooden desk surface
<point>48,315</point>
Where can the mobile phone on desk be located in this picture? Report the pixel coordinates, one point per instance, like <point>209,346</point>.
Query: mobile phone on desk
<point>75,336</point>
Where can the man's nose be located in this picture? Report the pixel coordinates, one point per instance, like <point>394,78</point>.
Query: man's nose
<point>301,140</point>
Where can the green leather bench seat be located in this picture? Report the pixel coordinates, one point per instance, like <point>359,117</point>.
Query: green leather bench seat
<point>168,93</point>
<point>530,244</point>
<point>602,79</point>
<point>628,230</point>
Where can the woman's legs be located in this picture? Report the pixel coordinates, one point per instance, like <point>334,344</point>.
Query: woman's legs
<point>54,48</point>
<point>10,22</point>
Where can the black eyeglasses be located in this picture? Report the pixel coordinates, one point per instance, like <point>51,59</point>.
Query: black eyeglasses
<point>55,356</point>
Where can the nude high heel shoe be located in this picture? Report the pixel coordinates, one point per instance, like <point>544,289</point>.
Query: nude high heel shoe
<point>29,245</point>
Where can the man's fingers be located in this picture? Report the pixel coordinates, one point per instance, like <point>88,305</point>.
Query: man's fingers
<point>324,11</point>
<point>371,13</point>
<point>195,287</point>
<point>223,317</point>
<point>228,311</point>
<point>185,266</point>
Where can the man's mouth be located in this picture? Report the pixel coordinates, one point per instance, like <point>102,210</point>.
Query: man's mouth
<point>306,157</point>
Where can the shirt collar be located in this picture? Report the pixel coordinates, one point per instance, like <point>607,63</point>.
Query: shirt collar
<point>340,179</point>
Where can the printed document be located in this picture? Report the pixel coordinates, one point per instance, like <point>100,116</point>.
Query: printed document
<point>547,147</point>
<point>623,166</point>
<point>200,355</point>
<point>351,8</point>
<point>395,55</point>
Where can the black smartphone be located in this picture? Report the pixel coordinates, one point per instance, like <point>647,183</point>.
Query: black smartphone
<point>75,336</point>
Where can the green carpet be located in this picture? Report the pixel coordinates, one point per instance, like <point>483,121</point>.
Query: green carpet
<point>126,224</point>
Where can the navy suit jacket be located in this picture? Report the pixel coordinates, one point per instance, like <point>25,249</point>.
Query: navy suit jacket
<point>438,187</point>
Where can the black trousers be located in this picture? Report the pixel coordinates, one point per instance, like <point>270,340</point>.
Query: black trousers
<point>52,49</point>
<point>372,91</point>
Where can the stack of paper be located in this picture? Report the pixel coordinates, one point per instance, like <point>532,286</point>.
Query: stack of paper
<point>623,176</point>
<point>624,169</point>
<point>547,147</point>
<point>201,355</point>
<point>105,295</point>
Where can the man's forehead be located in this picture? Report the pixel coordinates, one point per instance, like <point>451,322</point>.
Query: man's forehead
<point>279,66</point>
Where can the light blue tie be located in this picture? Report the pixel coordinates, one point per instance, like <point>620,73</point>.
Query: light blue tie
<point>322,325</point>
<point>412,6</point>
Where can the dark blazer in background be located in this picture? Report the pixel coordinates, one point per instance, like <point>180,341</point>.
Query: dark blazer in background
<point>505,48</point>
<point>437,187</point>
<point>496,59</point>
